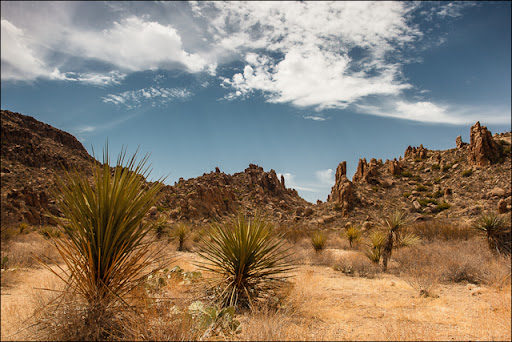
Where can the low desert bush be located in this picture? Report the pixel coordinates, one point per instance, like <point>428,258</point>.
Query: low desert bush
<point>454,262</point>
<point>357,265</point>
<point>467,173</point>
<point>293,232</point>
<point>248,258</point>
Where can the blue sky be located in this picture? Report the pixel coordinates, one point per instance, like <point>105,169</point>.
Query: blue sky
<point>293,86</point>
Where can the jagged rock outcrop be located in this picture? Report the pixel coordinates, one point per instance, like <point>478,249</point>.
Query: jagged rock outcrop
<point>217,194</point>
<point>394,167</point>
<point>459,143</point>
<point>342,191</point>
<point>483,150</point>
<point>415,152</point>
<point>367,172</point>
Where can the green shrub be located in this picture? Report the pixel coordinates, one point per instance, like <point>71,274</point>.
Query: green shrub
<point>406,194</point>
<point>467,173</point>
<point>436,167</point>
<point>406,174</point>
<point>318,240</point>
<point>496,228</point>
<point>421,187</point>
<point>438,194</point>
<point>249,258</point>
<point>446,168</point>
<point>425,201</point>
<point>443,206</point>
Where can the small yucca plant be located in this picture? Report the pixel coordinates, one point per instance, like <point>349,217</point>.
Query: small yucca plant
<point>249,258</point>
<point>496,228</point>
<point>409,239</point>
<point>392,225</point>
<point>318,240</point>
<point>181,233</point>
<point>160,227</point>
<point>104,246</point>
<point>352,234</point>
<point>374,250</point>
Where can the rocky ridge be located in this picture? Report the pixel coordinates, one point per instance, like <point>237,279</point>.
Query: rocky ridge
<point>458,183</point>
<point>461,182</point>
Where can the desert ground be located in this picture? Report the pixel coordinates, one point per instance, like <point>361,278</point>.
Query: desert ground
<point>333,294</point>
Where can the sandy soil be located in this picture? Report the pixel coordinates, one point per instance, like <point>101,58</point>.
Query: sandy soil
<point>334,306</point>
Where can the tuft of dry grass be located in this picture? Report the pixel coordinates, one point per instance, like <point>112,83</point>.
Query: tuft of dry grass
<point>444,230</point>
<point>357,265</point>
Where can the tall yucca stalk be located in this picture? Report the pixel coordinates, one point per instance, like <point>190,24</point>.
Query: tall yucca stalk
<point>496,228</point>
<point>104,247</point>
<point>248,257</point>
<point>392,225</point>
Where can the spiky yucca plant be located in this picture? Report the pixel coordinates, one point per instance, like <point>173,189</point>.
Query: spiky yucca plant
<point>352,234</point>
<point>374,250</point>
<point>249,258</point>
<point>318,240</point>
<point>392,225</point>
<point>181,232</point>
<point>104,246</point>
<point>496,228</point>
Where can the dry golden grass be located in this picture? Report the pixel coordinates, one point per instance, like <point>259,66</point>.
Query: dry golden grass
<point>321,303</point>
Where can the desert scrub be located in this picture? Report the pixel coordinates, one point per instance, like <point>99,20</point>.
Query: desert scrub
<point>443,206</point>
<point>406,194</point>
<point>435,167</point>
<point>352,234</point>
<point>104,248</point>
<point>496,229</point>
<point>421,188</point>
<point>248,257</point>
<point>441,230</point>
<point>318,240</point>
<point>467,173</point>
<point>446,168</point>
<point>355,265</point>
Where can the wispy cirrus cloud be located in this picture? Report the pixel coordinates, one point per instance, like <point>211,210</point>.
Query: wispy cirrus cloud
<point>314,117</point>
<point>153,96</point>
<point>431,112</point>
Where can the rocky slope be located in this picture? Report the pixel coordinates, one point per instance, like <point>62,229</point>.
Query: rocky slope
<point>457,183</point>
<point>32,154</point>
